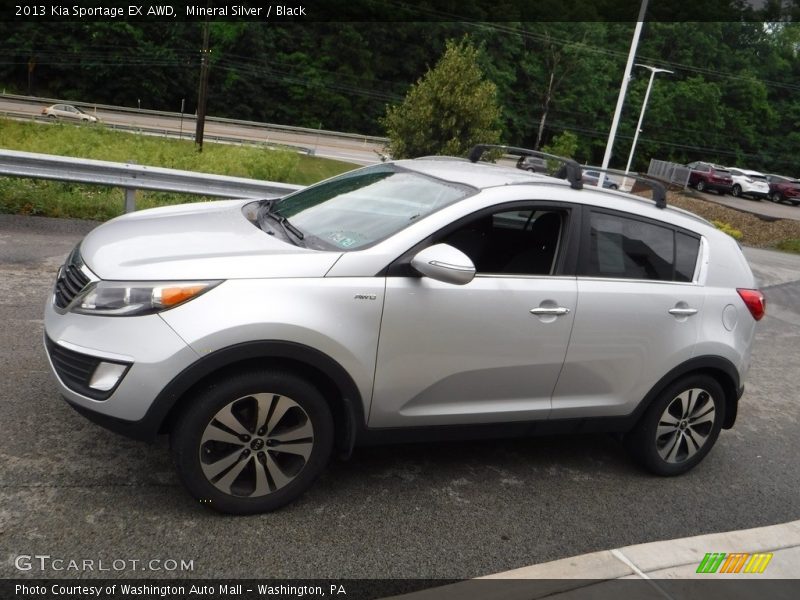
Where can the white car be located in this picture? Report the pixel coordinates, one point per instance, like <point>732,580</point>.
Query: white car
<point>591,177</point>
<point>67,111</point>
<point>749,183</point>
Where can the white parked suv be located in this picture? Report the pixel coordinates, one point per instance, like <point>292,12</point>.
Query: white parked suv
<point>420,299</point>
<point>749,183</point>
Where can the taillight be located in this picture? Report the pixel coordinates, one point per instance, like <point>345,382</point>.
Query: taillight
<point>755,302</point>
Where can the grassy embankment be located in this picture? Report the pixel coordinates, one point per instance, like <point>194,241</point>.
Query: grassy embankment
<point>49,198</point>
<point>54,199</point>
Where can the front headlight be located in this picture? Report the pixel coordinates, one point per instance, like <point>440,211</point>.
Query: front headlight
<point>135,298</point>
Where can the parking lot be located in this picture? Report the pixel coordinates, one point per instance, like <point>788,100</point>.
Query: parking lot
<point>764,207</point>
<point>72,490</point>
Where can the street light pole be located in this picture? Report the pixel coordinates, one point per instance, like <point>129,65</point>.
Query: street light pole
<point>653,71</point>
<point>622,90</point>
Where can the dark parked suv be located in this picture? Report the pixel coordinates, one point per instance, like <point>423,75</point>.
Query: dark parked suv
<point>784,188</point>
<point>705,176</point>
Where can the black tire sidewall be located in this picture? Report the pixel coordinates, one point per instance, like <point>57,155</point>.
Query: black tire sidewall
<point>188,430</point>
<point>641,441</point>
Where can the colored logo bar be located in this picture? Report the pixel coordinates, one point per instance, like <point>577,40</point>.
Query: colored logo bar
<point>736,562</point>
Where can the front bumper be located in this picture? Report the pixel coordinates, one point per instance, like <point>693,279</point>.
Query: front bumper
<point>150,350</point>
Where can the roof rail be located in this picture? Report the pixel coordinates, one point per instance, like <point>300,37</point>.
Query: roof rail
<point>659,191</point>
<point>569,170</point>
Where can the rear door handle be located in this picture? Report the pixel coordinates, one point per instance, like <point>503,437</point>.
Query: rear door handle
<point>683,312</point>
<point>556,311</point>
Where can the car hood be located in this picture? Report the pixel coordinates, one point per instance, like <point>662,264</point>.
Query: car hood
<point>212,240</point>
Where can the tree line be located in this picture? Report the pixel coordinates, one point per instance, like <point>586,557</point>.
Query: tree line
<point>734,96</point>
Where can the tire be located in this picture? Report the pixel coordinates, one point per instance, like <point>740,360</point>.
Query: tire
<point>776,197</point>
<point>52,117</point>
<point>613,186</point>
<point>736,191</point>
<point>701,186</point>
<point>659,442</point>
<point>230,465</point>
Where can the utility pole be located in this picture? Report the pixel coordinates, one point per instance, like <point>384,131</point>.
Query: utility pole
<point>202,94</point>
<point>653,71</point>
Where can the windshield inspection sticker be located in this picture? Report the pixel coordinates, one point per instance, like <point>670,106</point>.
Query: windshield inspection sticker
<point>341,239</point>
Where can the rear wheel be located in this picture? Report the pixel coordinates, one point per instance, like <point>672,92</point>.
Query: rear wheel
<point>737,190</point>
<point>680,426</point>
<point>253,442</point>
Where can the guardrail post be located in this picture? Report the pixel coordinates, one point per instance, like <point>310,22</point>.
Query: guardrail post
<point>130,200</point>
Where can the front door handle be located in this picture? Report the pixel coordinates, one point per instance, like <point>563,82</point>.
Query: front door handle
<point>683,312</point>
<point>556,311</point>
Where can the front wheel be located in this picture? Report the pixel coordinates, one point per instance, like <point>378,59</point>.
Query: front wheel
<point>253,442</point>
<point>776,197</point>
<point>680,426</point>
<point>701,186</point>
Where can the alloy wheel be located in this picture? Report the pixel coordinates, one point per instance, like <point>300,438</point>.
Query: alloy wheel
<point>256,445</point>
<point>685,425</point>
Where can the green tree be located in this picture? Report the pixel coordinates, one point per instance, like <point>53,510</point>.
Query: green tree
<point>449,110</point>
<point>564,145</point>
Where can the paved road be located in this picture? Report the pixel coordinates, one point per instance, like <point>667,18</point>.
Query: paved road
<point>356,150</point>
<point>71,490</point>
<point>762,207</point>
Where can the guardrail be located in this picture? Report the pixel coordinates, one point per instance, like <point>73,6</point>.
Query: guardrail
<point>132,177</point>
<point>173,133</point>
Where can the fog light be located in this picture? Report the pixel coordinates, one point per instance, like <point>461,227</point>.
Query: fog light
<point>106,376</point>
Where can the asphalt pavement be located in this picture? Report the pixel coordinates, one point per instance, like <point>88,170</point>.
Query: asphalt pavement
<point>764,208</point>
<point>72,490</point>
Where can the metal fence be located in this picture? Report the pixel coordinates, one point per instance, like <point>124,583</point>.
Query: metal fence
<point>132,177</point>
<point>669,172</point>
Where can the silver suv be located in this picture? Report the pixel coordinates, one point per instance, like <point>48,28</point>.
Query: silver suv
<point>426,299</point>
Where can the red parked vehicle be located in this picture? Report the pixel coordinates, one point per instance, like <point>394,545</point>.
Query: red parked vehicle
<point>784,188</point>
<point>705,176</point>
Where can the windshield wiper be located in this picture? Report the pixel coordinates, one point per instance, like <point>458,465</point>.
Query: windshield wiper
<point>286,225</point>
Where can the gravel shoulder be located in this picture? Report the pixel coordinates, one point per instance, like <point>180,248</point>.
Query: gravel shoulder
<point>758,232</point>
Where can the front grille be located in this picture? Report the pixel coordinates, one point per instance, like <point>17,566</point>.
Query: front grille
<point>71,280</point>
<point>76,369</point>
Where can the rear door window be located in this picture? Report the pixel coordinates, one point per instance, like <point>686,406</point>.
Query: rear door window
<point>622,247</point>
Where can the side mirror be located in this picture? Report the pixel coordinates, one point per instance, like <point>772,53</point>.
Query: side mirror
<point>444,263</point>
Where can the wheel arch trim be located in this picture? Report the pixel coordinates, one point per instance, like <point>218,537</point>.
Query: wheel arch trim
<point>163,408</point>
<point>712,365</point>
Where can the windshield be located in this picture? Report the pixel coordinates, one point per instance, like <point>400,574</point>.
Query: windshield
<point>366,206</point>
